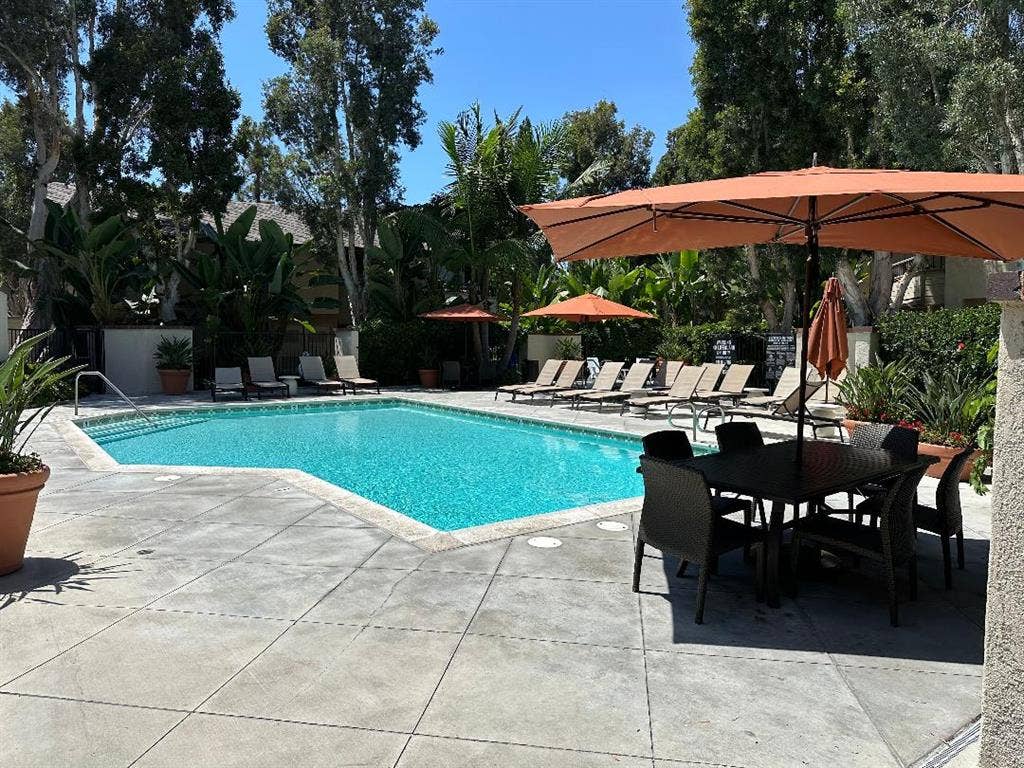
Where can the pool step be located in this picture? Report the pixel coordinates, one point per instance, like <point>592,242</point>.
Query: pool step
<point>122,430</point>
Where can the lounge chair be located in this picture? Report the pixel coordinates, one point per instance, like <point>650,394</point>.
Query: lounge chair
<point>830,390</point>
<point>712,373</point>
<point>708,402</point>
<point>227,380</point>
<point>787,410</point>
<point>603,382</point>
<point>789,379</point>
<point>348,373</point>
<point>667,374</point>
<point>311,367</point>
<point>633,384</point>
<point>545,378</point>
<point>570,372</point>
<point>262,376</point>
<point>682,389</point>
<point>451,374</point>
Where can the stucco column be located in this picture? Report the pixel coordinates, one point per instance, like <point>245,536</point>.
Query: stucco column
<point>1002,725</point>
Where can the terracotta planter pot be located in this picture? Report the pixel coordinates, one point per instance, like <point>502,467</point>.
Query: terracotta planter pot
<point>429,377</point>
<point>174,382</point>
<point>946,454</point>
<point>18,494</point>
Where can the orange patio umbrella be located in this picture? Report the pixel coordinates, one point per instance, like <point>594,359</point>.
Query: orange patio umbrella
<point>827,345</point>
<point>462,313</point>
<point>944,214</point>
<point>588,308</point>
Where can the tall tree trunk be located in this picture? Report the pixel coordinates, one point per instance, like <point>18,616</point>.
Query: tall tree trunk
<point>905,280</point>
<point>342,253</point>
<point>789,304</point>
<point>880,290</point>
<point>856,306</point>
<point>83,191</point>
<point>771,316</point>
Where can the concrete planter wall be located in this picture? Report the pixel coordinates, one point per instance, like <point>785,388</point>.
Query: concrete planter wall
<point>540,347</point>
<point>346,342</point>
<point>861,341</point>
<point>128,357</point>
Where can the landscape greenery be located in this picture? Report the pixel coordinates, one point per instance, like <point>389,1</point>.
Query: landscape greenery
<point>128,102</point>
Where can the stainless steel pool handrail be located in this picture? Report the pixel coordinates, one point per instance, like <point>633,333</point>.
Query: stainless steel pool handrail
<point>113,386</point>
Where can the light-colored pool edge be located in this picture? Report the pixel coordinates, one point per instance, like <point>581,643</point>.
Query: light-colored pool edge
<point>420,534</point>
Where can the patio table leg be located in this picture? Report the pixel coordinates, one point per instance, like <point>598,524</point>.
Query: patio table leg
<point>772,555</point>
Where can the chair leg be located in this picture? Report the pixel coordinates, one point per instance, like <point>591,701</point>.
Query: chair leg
<point>760,511</point>
<point>960,549</point>
<point>681,571</point>
<point>702,590</point>
<point>849,506</point>
<point>748,525</point>
<point>637,562</point>
<point>912,574</point>
<point>794,560</point>
<point>947,561</point>
<point>890,575</point>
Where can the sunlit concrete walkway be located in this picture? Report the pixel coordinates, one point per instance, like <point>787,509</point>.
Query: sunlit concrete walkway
<point>222,620</point>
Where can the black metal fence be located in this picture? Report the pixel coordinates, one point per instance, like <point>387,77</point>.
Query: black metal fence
<point>231,348</point>
<point>84,346</point>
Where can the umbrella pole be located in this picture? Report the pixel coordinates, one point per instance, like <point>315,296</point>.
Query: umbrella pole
<point>810,276</point>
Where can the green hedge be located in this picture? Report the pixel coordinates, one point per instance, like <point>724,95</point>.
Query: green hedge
<point>692,343</point>
<point>392,350</point>
<point>621,340</point>
<point>932,342</point>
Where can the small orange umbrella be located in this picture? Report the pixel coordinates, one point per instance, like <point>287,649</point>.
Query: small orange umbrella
<point>588,308</point>
<point>462,313</point>
<point>827,347</point>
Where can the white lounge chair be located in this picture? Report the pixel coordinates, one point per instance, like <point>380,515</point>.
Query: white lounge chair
<point>604,381</point>
<point>682,389</point>
<point>545,378</point>
<point>566,378</point>
<point>633,384</point>
<point>348,373</point>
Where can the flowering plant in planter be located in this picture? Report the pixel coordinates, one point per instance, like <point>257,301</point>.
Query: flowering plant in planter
<point>877,393</point>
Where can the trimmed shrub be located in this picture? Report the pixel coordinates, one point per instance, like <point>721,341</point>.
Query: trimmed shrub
<point>932,342</point>
<point>621,339</point>
<point>692,343</point>
<point>391,350</point>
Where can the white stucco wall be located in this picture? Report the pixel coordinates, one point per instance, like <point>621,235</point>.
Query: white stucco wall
<point>541,347</point>
<point>346,342</point>
<point>1002,726</point>
<point>128,357</point>
<point>3,326</point>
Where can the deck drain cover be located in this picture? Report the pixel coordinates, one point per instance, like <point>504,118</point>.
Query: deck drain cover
<point>544,542</point>
<point>166,478</point>
<point>612,525</point>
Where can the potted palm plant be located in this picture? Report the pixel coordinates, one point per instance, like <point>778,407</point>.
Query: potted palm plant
<point>429,375</point>
<point>174,364</point>
<point>25,388</point>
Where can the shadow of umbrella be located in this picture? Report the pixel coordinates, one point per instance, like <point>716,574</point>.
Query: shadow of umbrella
<point>52,576</point>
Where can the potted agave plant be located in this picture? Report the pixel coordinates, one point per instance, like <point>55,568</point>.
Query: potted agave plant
<point>174,364</point>
<point>875,393</point>
<point>24,388</point>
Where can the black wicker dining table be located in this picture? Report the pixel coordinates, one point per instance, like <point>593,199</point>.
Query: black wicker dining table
<point>771,472</point>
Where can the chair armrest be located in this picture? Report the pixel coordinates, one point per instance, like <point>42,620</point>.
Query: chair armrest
<point>756,390</point>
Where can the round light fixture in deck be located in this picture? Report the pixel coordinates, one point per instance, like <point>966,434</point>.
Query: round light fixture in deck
<point>544,542</point>
<point>166,478</point>
<point>612,525</point>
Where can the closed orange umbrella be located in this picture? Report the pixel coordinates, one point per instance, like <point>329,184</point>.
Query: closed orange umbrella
<point>588,308</point>
<point>827,346</point>
<point>976,215</point>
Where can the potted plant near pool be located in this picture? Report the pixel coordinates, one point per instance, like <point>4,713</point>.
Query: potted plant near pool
<point>428,372</point>
<point>26,396</point>
<point>174,364</point>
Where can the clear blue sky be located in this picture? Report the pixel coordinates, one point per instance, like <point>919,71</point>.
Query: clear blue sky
<point>548,56</point>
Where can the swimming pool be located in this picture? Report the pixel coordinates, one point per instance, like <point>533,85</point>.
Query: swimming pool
<point>444,467</point>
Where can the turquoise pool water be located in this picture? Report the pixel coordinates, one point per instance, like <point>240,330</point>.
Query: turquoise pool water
<point>446,468</point>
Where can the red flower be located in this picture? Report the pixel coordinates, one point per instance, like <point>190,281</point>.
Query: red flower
<point>961,346</point>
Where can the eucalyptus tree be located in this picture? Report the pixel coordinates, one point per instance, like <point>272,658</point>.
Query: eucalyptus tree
<point>347,102</point>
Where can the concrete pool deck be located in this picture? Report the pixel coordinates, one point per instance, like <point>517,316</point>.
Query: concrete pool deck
<point>237,619</point>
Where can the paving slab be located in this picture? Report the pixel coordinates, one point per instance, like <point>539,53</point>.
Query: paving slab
<point>341,675</point>
<point>223,483</point>
<point>47,733</point>
<point>155,659</point>
<point>576,558</point>
<point>433,752</point>
<point>408,599</point>
<point>78,502</point>
<point>329,516</point>
<point>255,589</point>
<point>164,505</point>
<point>280,511</point>
<point>543,694</point>
<point>208,541</point>
<point>94,535</point>
<point>753,712</point>
<point>915,710</point>
<point>212,741</point>
<point>476,558</point>
<point>339,547</point>
<point>571,611</point>
<point>32,633</point>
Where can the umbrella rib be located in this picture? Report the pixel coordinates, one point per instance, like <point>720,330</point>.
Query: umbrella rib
<point>956,230</point>
<point>602,214</point>
<point>868,215</point>
<point>781,217</point>
<point>613,235</point>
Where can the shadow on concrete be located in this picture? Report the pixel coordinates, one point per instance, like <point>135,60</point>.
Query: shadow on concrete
<point>42,579</point>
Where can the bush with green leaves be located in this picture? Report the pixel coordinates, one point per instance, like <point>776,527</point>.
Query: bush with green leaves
<point>568,349</point>
<point>877,393</point>
<point>173,354</point>
<point>946,406</point>
<point>692,343</point>
<point>392,351</point>
<point>23,401</point>
<point>931,342</point>
<point>621,339</point>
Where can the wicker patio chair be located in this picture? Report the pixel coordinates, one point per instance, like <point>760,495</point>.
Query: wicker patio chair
<point>262,376</point>
<point>738,436</point>
<point>348,372</point>
<point>678,519</point>
<point>311,367</point>
<point>945,519</point>
<point>674,445</point>
<point>545,377</point>
<point>636,377</point>
<point>893,543</point>
<point>887,437</point>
